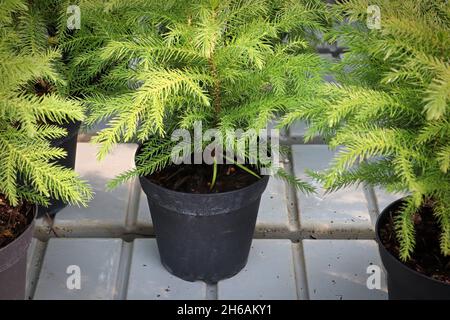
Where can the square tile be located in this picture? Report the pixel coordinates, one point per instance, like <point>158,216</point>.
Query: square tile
<point>273,211</point>
<point>269,274</point>
<point>149,280</point>
<point>106,213</point>
<point>339,212</point>
<point>98,263</point>
<point>338,269</point>
<point>385,198</point>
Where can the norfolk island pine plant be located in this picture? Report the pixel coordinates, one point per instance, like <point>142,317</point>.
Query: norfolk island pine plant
<point>45,28</point>
<point>28,172</point>
<point>390,114</point>
<point>55,26</point>
<point>226,64</point>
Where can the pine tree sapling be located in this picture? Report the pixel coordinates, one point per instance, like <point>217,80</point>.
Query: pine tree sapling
<point>153,69</point>
<point>390,111</point>
<point>31,108</point>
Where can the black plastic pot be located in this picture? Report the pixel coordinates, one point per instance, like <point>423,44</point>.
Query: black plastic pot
<point>69,144</point>
<point>405,283</point>
<point>204,236</point>
<point>13,265</point>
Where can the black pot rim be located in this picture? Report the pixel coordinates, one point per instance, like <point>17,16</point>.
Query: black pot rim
<point>262,180</point>
<point>382,215</point>
<point>30,225</point>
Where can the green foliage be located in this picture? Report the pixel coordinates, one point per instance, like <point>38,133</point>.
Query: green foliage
<point>30,111</point>
<point>151,67</point>
<point>391,111</point>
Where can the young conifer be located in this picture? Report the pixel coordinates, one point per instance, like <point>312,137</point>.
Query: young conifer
<point>390,111</point>
<point>153,67</point>
<point>31,109</point>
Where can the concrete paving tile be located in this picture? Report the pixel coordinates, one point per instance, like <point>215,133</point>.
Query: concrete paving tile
<point>149,280</point>
<point>106,213</point>
<point>338,269</point>
<point>97,261</point>
<point>343,211</point>
<point>269,274</point>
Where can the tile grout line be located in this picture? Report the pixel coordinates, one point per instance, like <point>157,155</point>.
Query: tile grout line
<point>45,230</point>
<point>123,273</point>
<point>300,271</point>
<point>301,279</point>
<point>132,205</point>
<point>291,199</point>
<point>37,260</point>
<point>127,247</point>
<point>372,204</point>
<point>351,235</point>
<point>212,291</point>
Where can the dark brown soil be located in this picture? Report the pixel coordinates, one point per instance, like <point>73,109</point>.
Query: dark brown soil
<point>13,221</point>
<point>427,257</point>
<point>196,178</point>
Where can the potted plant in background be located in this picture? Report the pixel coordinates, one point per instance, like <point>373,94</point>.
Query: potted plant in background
<point>391,116</point>
<point>28,172</point>
<point>45,28</point>
<point>224,64</point>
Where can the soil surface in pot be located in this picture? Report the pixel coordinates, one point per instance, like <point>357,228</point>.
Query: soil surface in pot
<point>196,178</point>
<point>13,221</point>
<point>427,257</point>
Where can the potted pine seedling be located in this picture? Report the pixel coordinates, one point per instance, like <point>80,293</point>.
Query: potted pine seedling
<point>47,23</point>
<point>180,72</point>
<point>28,173</point>
<point>391,115</point>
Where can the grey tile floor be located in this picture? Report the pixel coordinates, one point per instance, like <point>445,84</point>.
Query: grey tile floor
<point>305,247</point>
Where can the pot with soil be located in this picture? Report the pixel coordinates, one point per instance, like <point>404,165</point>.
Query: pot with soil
<point>203,234</point>
<point>69,144</point>
<point>427,274</point>
<point>16,230</point>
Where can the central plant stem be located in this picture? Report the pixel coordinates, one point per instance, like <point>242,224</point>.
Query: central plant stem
<point>216,88</point>
<point>217,108</point>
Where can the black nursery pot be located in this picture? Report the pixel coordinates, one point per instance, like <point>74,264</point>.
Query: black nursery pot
<point>69,144</point>
<point>405,283</point>
<point>13,264</point>
<point>204,236</point>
